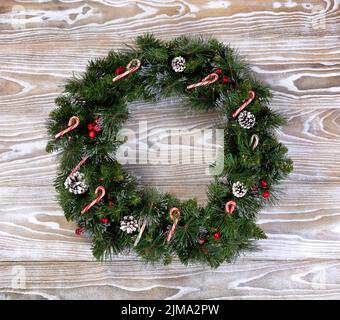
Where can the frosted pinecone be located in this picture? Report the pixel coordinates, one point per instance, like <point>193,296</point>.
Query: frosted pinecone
<point>178,64</point>
<point>246,120</point>
<point>202,232</point>
<point>77,100</point>
<point>129,224</point>
<point>239,190</point>
<point>76,183</point>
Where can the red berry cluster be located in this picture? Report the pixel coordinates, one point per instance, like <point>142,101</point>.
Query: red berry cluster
<point>225,78</point>
<point>120,70</point>
<point>264,184</point>
<point>104,220</point>
<point>216,235</point>
<point>94,127</point>
<point>107,220</point>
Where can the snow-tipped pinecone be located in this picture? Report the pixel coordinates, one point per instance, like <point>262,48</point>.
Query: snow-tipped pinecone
<point>76,183</point>
<point>239,190</point>
<point>129,224</point>
<point>77,100</point>
<point>246,120</point>
<point>178,64</point>
<point>202,233</point>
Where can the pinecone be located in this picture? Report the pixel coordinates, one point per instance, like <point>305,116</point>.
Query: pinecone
<point>202,235</point>
<point>239,190</point>
<point>202,232</point>
<point>246,119</point>
<point>129,224</point>
<point>178,64</point>
<point>76,183</point>
<point>77,100</point>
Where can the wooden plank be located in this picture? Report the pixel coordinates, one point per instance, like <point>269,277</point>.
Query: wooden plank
<point>250,19</point>
<point>312,137</point>
<point>291,45</point>
<point>130,279</point>
<point>305,225</point>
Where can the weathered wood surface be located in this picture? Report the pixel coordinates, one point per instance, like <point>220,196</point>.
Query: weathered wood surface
<point>42,43</point>
<point>130,279</point>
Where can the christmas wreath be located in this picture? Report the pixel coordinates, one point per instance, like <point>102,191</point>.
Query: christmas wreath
<point>106,201</point>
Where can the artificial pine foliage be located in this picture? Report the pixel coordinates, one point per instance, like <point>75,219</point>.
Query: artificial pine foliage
<point>204,234</point>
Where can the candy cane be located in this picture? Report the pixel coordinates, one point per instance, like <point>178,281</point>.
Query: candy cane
<point>72,124</point>
<point>172,210</point>
<point>90,205</point>
<point>254,141</point>
<point>141,230</point>
<point>252,96</point>
<point>76,168</point>
<point>230,207</point>
<point>79,231</point>
<point>205,81</point>
<point>128,71</point>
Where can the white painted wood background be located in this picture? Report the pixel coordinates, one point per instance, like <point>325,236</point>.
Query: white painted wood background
<point>293,45</point>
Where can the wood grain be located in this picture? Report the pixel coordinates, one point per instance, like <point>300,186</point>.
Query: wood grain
<point>130,279</point>
<point>42,43</point>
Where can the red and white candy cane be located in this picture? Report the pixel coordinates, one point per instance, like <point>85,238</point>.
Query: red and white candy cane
<point>254,141</point>
<point>141,230</point>
<point>90,205</point>
<point>76,168</point>
<point>211,78</point>
<point>72,124</point>
<point>252,96</point>
<point>176,219</point>
<point>230,207</point>
<point>129,69</point>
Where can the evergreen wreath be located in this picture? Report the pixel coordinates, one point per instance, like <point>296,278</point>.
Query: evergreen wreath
<point>107,203</point>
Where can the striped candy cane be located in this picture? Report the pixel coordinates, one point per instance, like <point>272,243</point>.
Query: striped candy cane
<point>176,219</point>
<point>129,70</point>
<point>72,124</point>
<point>76,168</point>
<point>141,230</point>
<point>252,96</point>
<point>90,205</point>
<point>254,141</point>
<point>211,78</point>
<point>230,207</point>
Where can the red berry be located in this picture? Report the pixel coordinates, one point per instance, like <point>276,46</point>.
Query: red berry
<point>217,235</point>
<point>219,70</point>
<point>110,203</point>
<point>265,194</point>
<point>97,119</point>
<point>79,231</point>
<point>225,79</point>
<point>92,134</point>
<point>90,126</point>
<point>97,128</point>
<point>120,70</point>
<point>264,183</point>
<point>104,220</point>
